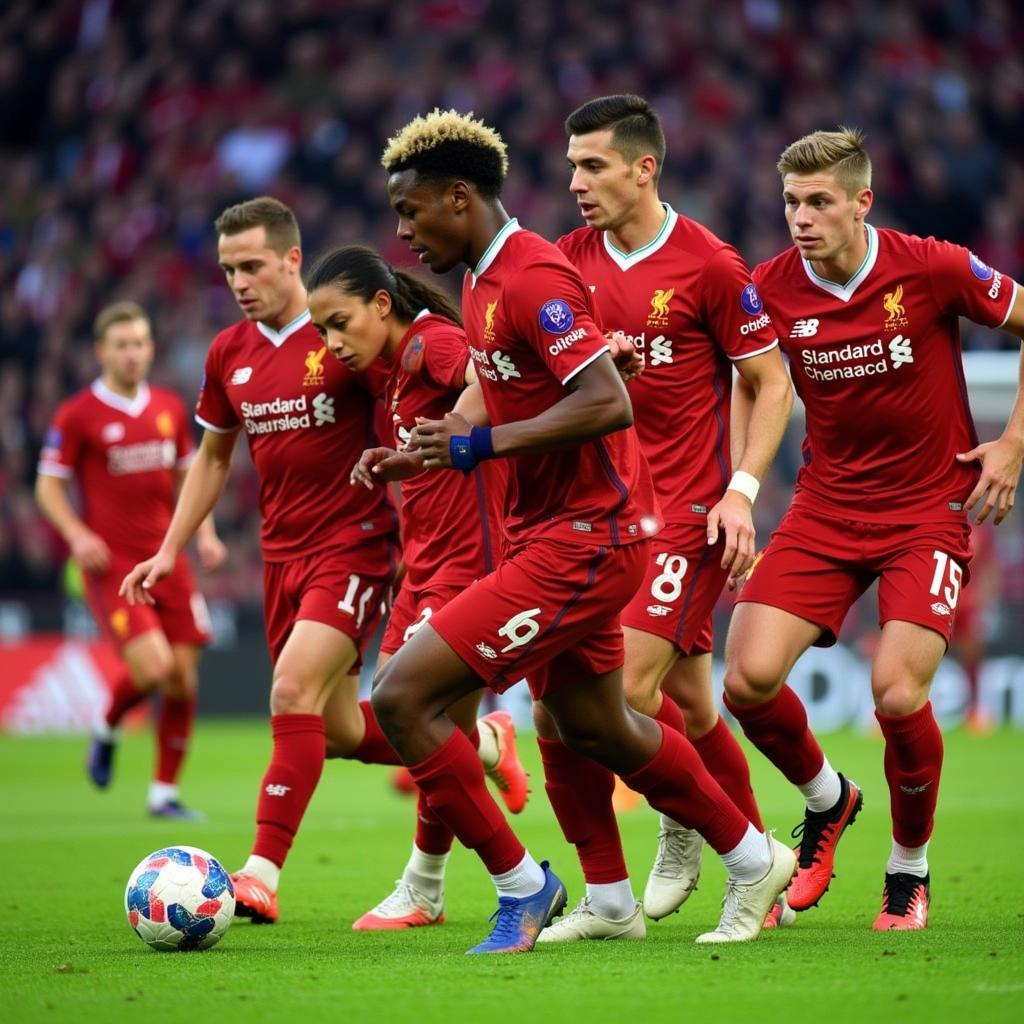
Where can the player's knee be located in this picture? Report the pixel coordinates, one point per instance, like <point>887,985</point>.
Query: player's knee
<point>748,682</point>
<point>292,695</point>
<point>181,685</point>
<point>158,673</point>
<point>391,703</point>
<point>896,698</point>
<point>543,722</point>
<point>642,692</point>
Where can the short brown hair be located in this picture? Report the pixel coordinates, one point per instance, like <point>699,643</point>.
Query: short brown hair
<point>841,152</point>
<point>117,313</point>
<point>636,128</point>
<point>262,212</point>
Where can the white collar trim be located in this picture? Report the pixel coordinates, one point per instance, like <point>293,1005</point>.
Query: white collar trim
<point>497,244</point>
<point>278,338</point>
<point>129,406</point>
<point>844,292</point>
<point>421,314</point>
<point>625,260</point>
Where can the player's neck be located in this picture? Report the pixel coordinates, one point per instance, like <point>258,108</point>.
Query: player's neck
<point>297,305</point>
<point>492,219</point>
<point>397,330</point>
<point>129,391</point>
<point>847,262</point>
<point>641,229</point>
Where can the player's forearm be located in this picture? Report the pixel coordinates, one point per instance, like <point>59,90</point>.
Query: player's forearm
<point>203,484</point>
<point>768,415</point>
<point>743,396</point>
<point>583,415</point>
<point>471,405</point>
<point>53,501</point>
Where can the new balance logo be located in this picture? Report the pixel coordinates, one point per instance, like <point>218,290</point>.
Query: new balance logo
<point>505,366</point>
<point>661,350</point>
<point>804,329</point>
<point>901,351</point>
<point>241,375</point>
<point>914,790</point>
<point>323,409</point>
<point>276,789</point>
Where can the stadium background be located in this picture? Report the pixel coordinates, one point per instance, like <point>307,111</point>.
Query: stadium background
<point>125,127</point>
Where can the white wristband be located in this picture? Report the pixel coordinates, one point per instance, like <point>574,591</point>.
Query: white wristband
<point>746,483</point>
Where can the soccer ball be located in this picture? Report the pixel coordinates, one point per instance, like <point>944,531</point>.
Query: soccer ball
<point>179,898</point>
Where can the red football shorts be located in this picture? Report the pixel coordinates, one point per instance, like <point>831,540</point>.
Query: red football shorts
<point>816,566</point>
<point>180,612</point>
<point>549,612</point>
<point>413,609</point>
<point>340,587</point>
<point>683,582</point>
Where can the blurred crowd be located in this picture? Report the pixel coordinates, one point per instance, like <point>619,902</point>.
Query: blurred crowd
<point>126,126</point>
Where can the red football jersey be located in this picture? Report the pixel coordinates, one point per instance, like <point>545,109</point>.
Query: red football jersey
<point>447,535</point>
<point>308,420</point>
<point>123,454</point>
<point>686,302</point>
<point>877,363</point>
<point>530,326</point>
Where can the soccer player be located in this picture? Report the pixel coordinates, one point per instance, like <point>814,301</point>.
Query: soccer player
<point>685,300</point>
<point>892,466</point>
<point>127,445</point>
<point>367,310</point>
<point>579,509</point>
<point>329,549</point>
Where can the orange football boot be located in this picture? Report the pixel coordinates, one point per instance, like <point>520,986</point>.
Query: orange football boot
<point>905,902</point>
<point>508,775</point>
<point>254,900</point>
<point>819,835</point>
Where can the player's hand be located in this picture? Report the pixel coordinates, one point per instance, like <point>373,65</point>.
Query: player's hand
<point>136,586</point>
<point>732,516</point>
<point>90,551</point>
<point>433,438</point>
<point>1000,471</point>
<point>627,359</point>
<point>213,552</point>
<point>385,465</point>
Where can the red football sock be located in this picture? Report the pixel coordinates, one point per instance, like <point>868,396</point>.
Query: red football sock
<point>676,783</point>
<point>295,766</point>
<point>913,763</point>
<point>580,791</point>
<point>778,728</point>
<point>173,730</point>
<point>723,757</point>
<point>452,780</point>
<point>671,714</point>
<point>374,748</point>
<point>432,834</point>
<point>123,697</point>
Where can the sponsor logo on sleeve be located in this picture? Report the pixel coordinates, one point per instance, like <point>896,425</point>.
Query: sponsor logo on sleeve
<point>982,271</point>
<point>997,283</point>
<point>751,301</point>
<point>54,438</point>
<point>412,358</point>
<point>556,317</point>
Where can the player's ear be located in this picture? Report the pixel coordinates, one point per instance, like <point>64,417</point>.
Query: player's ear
<point>865,197</point>
<point>647,169</point>
<point>459,195</point>
<point>382,303</point>
<point>293,257</point>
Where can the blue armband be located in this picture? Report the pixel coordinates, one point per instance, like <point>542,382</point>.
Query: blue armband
<point>467,452</point>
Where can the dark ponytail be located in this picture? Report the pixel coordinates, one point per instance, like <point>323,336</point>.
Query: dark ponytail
<point>360,271</point>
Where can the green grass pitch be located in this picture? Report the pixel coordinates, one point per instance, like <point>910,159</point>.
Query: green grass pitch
<point>67,953</point>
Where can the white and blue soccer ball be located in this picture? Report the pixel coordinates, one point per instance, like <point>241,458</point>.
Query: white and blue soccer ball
<point>179,898</point>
